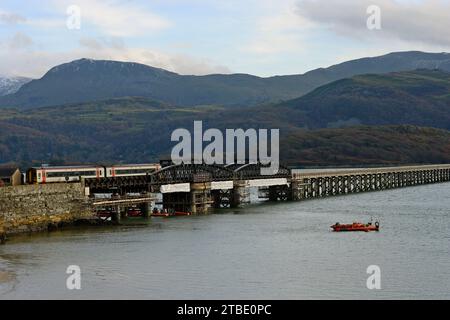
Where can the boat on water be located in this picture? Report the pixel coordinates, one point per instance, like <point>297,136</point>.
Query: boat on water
<point>181,213</point>
<point>356,226</point>
<point>105,214</point>
<point>160,214</point>
<point>169,213</point>
<point>134,212</point>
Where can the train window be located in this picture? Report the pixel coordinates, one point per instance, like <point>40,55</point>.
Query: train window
<point>134,171</point>
<point>71,174</point>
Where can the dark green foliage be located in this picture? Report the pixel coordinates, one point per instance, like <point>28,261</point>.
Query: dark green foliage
<point>374,145</point>
<point>420,97</point>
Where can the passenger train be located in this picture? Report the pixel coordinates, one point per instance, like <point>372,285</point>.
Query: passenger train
<point>127,170</point>
<point>50,174</point>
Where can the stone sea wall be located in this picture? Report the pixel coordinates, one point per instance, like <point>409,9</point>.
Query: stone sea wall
<point>31,208</point>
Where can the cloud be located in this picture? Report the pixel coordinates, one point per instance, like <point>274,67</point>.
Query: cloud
<point>111,21</point>
<point>25,59</point>
<point>10,18</point>
<point>281,31</point>
<point>117,18</point>
<point>115,49</point>
<point>418,22</point>
<point>20,41</point>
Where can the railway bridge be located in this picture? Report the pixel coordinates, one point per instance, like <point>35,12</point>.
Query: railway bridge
<point>199,187</point>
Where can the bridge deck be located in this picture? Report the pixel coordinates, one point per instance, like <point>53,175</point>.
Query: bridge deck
<point>366,171</point>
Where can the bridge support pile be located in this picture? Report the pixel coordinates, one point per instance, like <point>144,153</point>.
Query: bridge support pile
<point>241,194</point>
<point>201,198</point>
<point>196,198</point>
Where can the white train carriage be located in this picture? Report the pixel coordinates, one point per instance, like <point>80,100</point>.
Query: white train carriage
<point>63,174</point>
<point>127,170</point>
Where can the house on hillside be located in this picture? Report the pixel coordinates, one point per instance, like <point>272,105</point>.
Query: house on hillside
<point>10,177</point>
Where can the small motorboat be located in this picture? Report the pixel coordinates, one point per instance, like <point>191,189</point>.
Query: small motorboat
<point>160,214</point>
<point>180,213</point>
<point>169,213</point>
<point>134,212</point>
<point>105,214</point>
<point>356,226</point>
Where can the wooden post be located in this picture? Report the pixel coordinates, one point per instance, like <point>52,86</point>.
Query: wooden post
<point>117,215</point>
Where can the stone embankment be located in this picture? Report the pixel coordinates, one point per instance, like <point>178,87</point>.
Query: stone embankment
<point>30,208</point>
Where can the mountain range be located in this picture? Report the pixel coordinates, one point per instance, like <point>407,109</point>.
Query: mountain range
<point>89,80</point>
<point>395,117</point>
<point>420,97</point>
<point>10,85</point>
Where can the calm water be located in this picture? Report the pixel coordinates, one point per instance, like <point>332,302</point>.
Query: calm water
<point>265,251</point>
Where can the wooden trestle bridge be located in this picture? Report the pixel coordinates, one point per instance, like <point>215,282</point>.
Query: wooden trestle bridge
<point>199,187</point>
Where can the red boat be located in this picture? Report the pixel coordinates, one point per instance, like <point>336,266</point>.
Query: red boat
<point>134,212</point>
<point>160,214</point>
<point>356,226</point>
<point>170,213</point>
<point>180,213</point>
<point>105,214</point>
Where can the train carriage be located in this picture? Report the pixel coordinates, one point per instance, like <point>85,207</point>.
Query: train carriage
<point>127,170</point>
<point>51,174</point>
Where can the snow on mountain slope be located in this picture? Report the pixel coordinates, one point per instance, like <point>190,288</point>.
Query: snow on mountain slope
<point>9,85</point>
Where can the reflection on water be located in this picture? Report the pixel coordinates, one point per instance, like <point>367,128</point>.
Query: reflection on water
<point>265,251</point>
<point>6,276</point>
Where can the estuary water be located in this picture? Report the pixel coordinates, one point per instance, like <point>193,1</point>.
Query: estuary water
<point>262,251</point>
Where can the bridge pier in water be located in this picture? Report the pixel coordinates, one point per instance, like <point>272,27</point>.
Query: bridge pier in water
<point>240,194</point>
<point>196,198</point>
<point>117,214</point>
<point>146,208</point>
<point>201,198</point>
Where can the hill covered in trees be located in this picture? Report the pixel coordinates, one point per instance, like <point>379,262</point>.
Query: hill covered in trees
<point>138,130</point>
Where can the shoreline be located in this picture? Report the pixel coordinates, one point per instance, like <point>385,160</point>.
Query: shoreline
<point>5,237</point>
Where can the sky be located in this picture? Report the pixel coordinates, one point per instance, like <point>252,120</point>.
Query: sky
<point>260,37</point>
